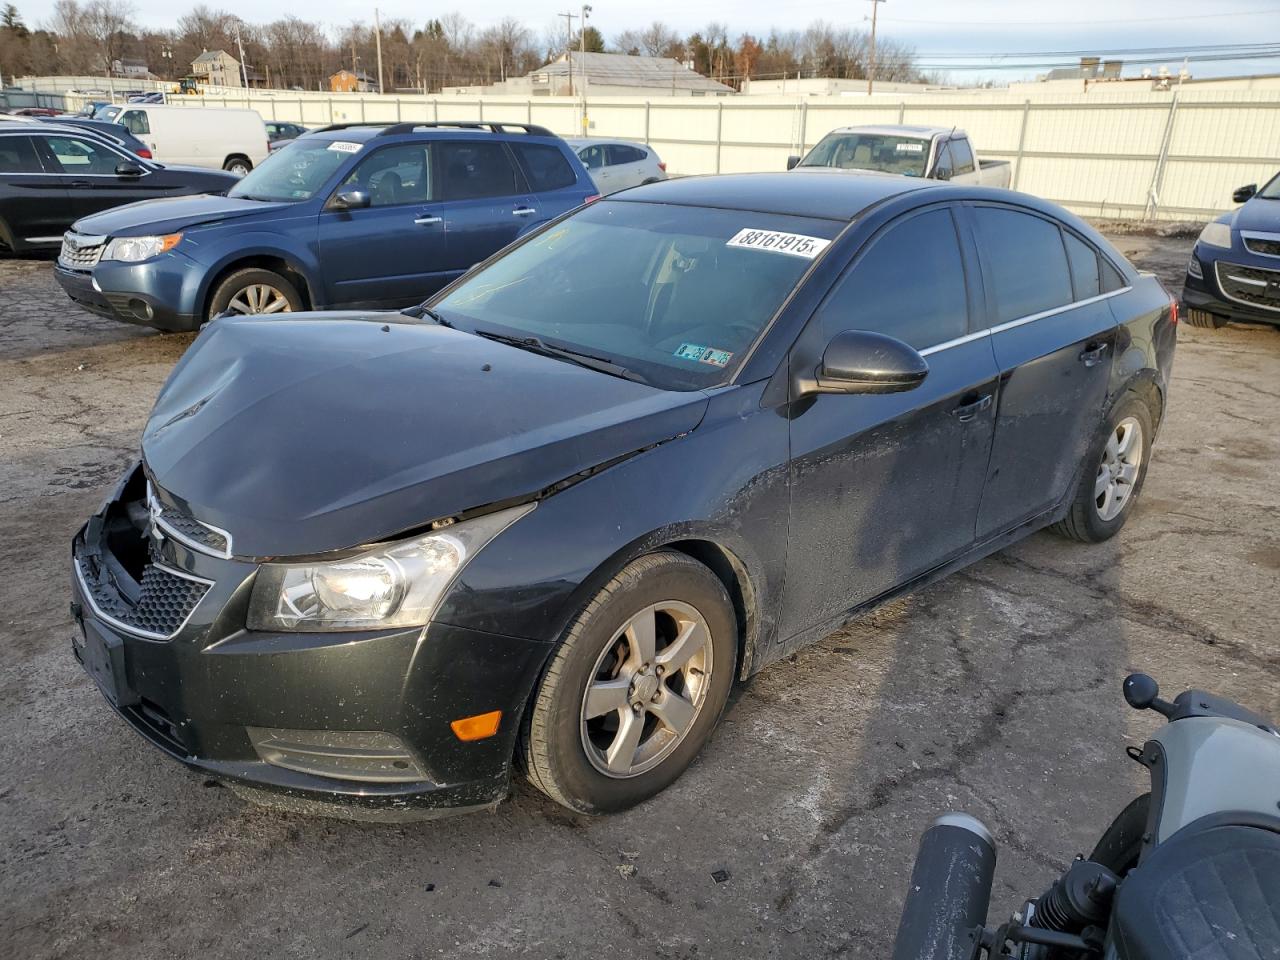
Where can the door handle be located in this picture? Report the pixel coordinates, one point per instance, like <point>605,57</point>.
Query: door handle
<point>967,411</point>
<point>424,221</point>
<point>523,212</point>
<point>79,184</point>
<point>1093,354</point>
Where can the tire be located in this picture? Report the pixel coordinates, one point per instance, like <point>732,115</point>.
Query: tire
<point>1120,846</point>
<point>238,165</point>
<point>1092,517</point>
<point>233,293</point>
<point>1203,318</point>
<point>587,764</point>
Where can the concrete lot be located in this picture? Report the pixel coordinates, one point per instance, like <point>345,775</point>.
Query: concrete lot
<point>996,691</point>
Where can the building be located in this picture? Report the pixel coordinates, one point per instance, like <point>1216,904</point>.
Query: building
<point>217,68</point>
<point>351,81</point>
<point>835,87</point>
<point>134,69</point>
<point>607,74</point>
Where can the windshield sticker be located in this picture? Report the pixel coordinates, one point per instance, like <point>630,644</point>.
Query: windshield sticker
<point>794,244</point>
<point>909,147</point>
<point>345,146</point>
<point>700,354</point>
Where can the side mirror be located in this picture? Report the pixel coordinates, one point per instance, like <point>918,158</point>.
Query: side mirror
<point>127,168</point>
<point>859,361</point>
<point>792,162</point>
<point>349,198</point>
<point>1244,194</point>
<point>942,173</point>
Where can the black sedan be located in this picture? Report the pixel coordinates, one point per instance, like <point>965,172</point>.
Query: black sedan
<point>52,175</point>
<point>372,561</point>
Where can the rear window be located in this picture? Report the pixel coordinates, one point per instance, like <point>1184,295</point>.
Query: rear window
<point>17,155</point>
<point>473,170</point>
<point>1027,261</point>
<point>545,166</point>
<point>619,153</point>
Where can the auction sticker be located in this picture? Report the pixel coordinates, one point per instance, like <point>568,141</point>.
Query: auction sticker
<point>345,146</point>
<point>792,244</point>
<point>909,147</point>
<point>701,354</point>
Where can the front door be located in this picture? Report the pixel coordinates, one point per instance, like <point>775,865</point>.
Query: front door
<point>1054,338</point>
<point>392,253</point>
<point>33,201</point>
<point>88,170</point>
<point>886,487</point>
<point>484,200</point>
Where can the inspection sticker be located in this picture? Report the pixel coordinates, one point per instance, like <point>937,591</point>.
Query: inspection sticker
<point>909,147</point>
<point>795,244</point>
<point>345,146</point>
<point>700,354</point>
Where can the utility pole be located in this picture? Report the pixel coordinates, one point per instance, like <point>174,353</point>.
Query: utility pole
<point>582,38</point>
<point>569,17</point>
<point>871,65</point>
<point>377,36</point>
<point>244,67</point>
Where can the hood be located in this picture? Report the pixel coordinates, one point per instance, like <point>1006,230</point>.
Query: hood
<point>169,214</point>
<point>1259,214</point>
<point>326,431</point>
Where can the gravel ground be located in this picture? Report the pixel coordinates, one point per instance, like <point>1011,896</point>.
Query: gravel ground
<point>995,691</point>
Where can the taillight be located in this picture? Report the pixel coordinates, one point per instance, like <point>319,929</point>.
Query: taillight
<point>1173,312</point>
<point>591,199</point>
<point>144,153</point>
<point>662,165</point>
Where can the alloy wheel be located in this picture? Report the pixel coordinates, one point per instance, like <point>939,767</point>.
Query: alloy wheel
<point>646,691</point>
<point>259,298</point>
<point>1119,468</point>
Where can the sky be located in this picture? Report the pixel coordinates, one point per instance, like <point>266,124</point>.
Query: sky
<point>943,32</point>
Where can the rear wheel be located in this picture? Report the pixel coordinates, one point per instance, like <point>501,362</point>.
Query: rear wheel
<point>635,688</point>
<point>1203,318</point>
<point>1113,474</point>
<point>252,291</point>
<point>238,165</point>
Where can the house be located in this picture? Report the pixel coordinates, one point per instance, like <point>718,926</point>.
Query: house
<point>126,67</point>
<point>351,81</point>
<point>607,74</point>
<point>217,68</point>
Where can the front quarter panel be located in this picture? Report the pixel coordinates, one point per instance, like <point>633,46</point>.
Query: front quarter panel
<point>725,483</point>
<point>292,239</point>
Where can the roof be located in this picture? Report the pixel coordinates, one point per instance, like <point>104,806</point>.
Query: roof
<point>902,130</point>
<point>358,74</point>
<point>621,70</point>
<point>212,56</point>
<point>828,194</point>
<point>588,141</point>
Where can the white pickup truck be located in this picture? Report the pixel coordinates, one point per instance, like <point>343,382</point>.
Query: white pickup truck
<point>937,153</point>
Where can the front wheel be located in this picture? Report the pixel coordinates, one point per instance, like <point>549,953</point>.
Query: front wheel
<point>253,291</point>
<point>635,688</point>
<point>240,166</point>
<point>1114,470</point>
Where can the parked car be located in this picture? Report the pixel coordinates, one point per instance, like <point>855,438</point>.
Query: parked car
<point>115,131</point>
<point>231,140</point>
<point>1234,271</point>
<point>35,112</point>
<point>52,174</point>
<point>555,512</point>
<point>346,216</point>
<point>933,153</point>
<point>617,164</point>
<point>280,132</point>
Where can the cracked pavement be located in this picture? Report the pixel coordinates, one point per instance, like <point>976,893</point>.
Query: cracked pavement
<point>996,691</point>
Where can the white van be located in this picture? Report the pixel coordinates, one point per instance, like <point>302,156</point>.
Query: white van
<point>233,140</point>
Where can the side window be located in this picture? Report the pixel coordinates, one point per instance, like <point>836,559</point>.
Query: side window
<point>618,153</point>
<point>944,168</point>
<point>1027,261</point>
<point>1084,266</point>
<point>1111,277</point>
<point>17,155</point>
<point>83,157</point>
<point>395,175</point>
<point>909,284</point>
<point>136,122</point>
<point>471,170</point>
<point>961,156</point>
<point>592,157</point>
<point>544,166</point>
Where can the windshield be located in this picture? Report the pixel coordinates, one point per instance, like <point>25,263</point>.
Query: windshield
<point>870,151</point>
<point>293,173</point>
<point>108,112</point>
<point>1271,190</point>
<point>676,295</point>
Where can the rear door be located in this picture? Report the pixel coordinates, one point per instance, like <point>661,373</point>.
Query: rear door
<point>552,178</point>
<point>485,200</point>
<point>1054,337</point>
<point>886,487</point>
<point>624,165</point>
<point>393,252</point>
<point>34,207</point>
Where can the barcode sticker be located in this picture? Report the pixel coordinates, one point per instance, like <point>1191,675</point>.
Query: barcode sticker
<point>792,244</point>
<point>345,146</point>
<point>909,147</point>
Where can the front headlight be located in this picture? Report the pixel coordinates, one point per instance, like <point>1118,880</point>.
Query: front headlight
<point>135,249</point>
<point>1216,235</point>
<point>395,586</point>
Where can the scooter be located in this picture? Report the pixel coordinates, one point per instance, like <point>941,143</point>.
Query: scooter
<point>1189,871</point>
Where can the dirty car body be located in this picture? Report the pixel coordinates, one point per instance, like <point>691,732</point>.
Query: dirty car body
<point>569,424</point>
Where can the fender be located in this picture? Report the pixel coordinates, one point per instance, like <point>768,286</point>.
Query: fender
<point>232,247</point>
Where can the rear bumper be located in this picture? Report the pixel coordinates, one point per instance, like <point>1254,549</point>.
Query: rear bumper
<point>121,294</point>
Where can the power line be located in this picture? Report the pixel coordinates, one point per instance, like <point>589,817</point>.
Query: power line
<point>1171,50</point>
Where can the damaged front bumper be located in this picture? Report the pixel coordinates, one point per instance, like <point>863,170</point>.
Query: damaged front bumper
<point>352,724</point>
